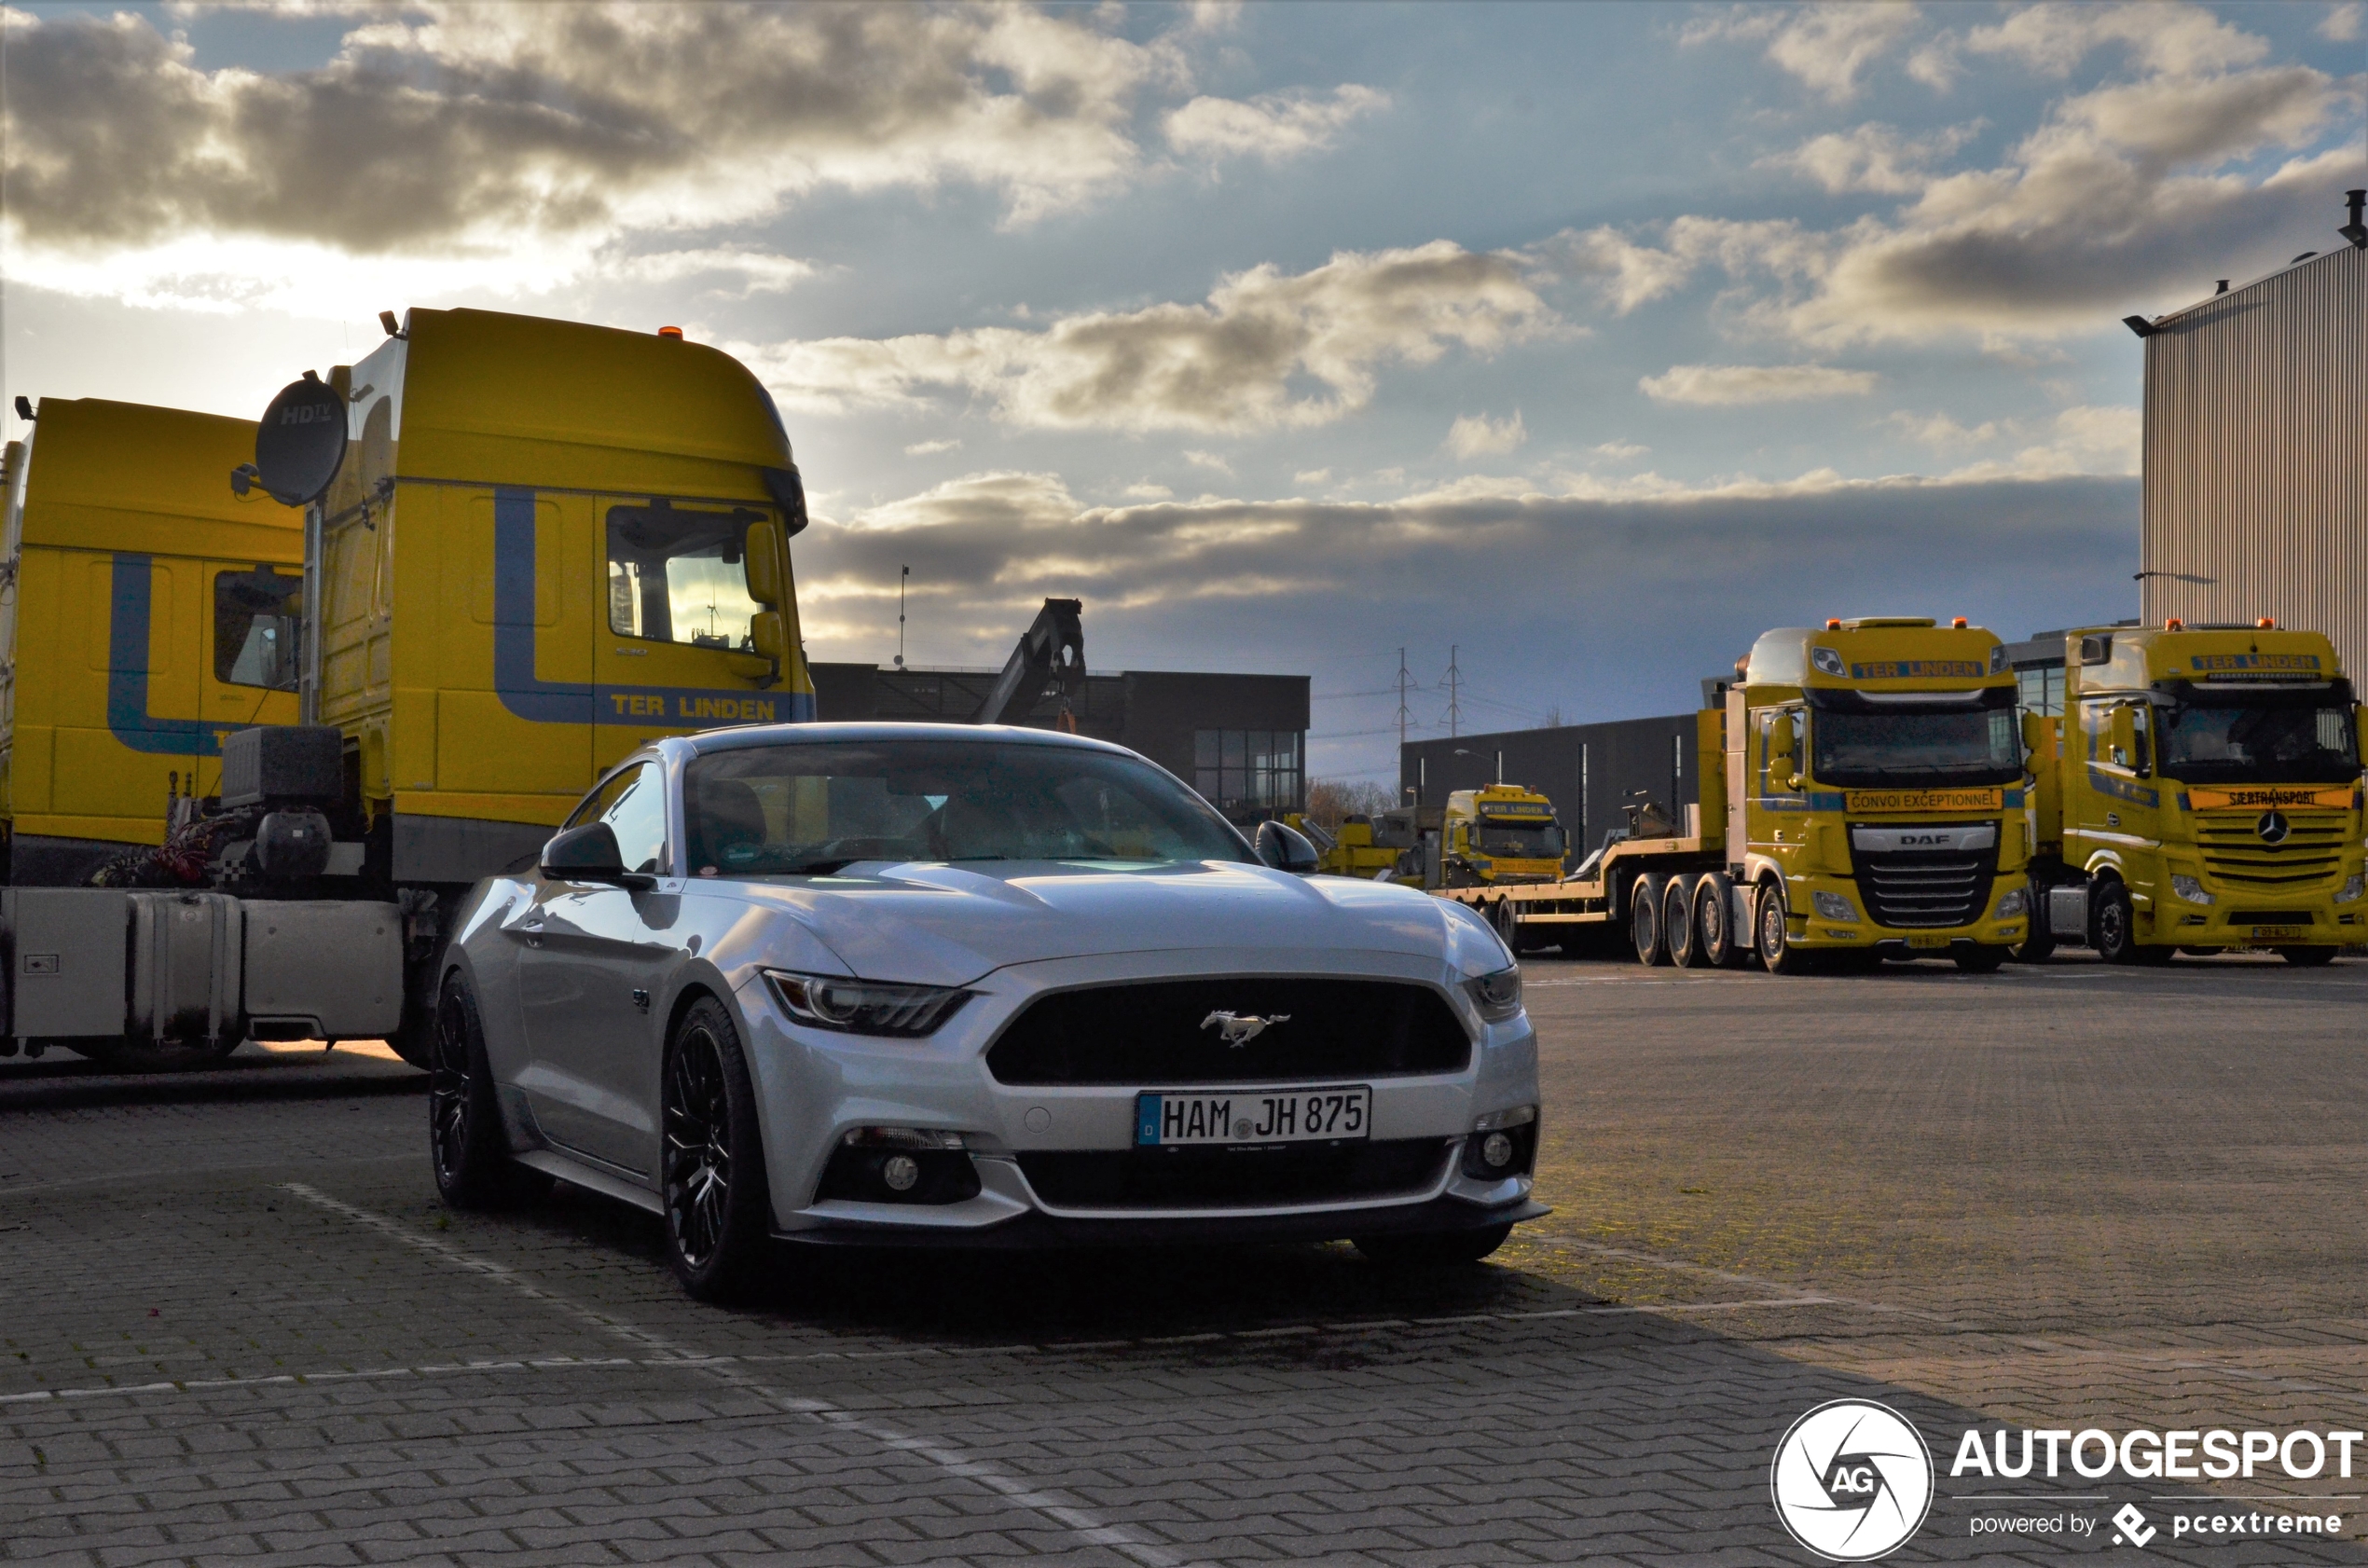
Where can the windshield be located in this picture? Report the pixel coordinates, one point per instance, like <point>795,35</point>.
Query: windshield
<point>811,809</point>
<point>2284,744</point>
<point>1527,841</point>
<point>1872,750</point>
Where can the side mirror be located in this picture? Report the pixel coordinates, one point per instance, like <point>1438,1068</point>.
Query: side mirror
<point>761,554</point>
<point>1285,850</point>
<point>589,853</point>
<point>2123,736</point>
<point>2359,721</point>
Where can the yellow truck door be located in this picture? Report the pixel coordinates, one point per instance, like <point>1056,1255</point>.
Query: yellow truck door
<point>681,640</point>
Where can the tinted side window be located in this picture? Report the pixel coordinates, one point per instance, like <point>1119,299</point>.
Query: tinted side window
<point>254,629</point>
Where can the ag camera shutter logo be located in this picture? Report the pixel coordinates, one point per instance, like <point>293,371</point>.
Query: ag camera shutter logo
<point>1852,1480</point>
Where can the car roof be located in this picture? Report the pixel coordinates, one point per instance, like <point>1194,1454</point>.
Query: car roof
<point>818,733</point>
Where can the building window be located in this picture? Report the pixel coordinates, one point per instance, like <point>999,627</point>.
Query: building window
<point>2042,690</point>
<point>1249,773</point>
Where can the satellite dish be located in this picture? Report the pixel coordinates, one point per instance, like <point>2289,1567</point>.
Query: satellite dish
<point>300,443</point>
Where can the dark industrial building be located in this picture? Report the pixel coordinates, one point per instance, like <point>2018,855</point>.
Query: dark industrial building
<point>2256,449</point>
<point>1590,772</point>
<point>1240,740</point>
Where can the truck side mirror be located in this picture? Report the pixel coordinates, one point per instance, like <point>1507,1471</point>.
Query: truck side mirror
<point>769,635</point>
<point>2359,721</point>
<point>762,558</point>
<point>2124,736</point>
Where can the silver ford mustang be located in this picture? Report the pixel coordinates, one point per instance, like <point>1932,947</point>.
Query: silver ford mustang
<point>910,983</point>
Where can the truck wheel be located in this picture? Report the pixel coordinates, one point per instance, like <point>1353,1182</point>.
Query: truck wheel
<point>718,1214</point>
<point>1644,920</point>
<point>465,1142</point>
<point>1678,925</point>
<point>1453,1250</point>
<point>2112,923</point>
<point>1715,933</point>
<point>1981,958</point>
<point>2307,958</point>
<point>2031,949</point>
<point>1777,953</point>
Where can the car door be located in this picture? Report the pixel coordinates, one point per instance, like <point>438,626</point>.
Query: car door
<point>591,955</point>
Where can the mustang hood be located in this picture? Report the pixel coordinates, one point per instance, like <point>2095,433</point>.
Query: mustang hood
<point>951,925</point>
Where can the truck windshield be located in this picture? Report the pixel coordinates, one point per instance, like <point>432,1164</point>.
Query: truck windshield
<point>1874,750</point>
<point>1525,840</point>
<point>811,809</point>
<point>2281,743</point>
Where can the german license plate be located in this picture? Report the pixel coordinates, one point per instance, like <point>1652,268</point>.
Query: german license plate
<point>1242,1116</point>
<point>2278,933</point>
<point>1932,942</point>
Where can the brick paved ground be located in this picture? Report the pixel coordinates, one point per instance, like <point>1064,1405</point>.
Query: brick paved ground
<point>235,1327</point>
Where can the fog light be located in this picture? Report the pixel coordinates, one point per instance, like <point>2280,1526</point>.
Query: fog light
<point>1833,906</point>
<point>2192,891</point>
<point>1496,1150</point>
<point>900,1171</point>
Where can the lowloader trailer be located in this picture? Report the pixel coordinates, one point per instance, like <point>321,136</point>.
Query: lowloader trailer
<point>1862,799</point>
<point>2201,793</point>
<point>529,546</point>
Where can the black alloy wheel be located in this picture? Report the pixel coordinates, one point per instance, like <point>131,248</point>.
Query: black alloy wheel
<point>466,1145</point>
<point>717,1210</point>
<point>2112,923</point>
<point>1714,922</point>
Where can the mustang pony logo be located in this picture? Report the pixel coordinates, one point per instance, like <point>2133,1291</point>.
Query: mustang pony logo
<point>1237,1030</point>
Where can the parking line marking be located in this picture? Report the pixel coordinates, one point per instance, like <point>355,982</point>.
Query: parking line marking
<point>1085,1525</point>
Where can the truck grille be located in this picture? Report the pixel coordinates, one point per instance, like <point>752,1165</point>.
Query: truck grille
<point>1241,1178</point>
<point>1911,889</point>
<point>2238,858</point>
<point>1145,1034</point>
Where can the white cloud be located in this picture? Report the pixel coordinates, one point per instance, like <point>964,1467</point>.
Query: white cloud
<point>2344,23</point>
<point>1875,157</point>
<point>1728,385</point>
<point>1312,476</point>
<point>1209,460</point>
<point>931,448</point>
<point>1147,491</point>
<point>1827,46</point>
<point>1619,451</point>
<point>1241,361</point>
<point>2173,38</point>
<point>1273,126</point>
<point>1473,435</point>
<point>759,272</point>
<point>1631,274</point>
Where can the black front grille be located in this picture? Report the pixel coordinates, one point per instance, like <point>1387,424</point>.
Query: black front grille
<point>1152,1033</point>
<point>1243,1178</point>
<point>1908,888</point>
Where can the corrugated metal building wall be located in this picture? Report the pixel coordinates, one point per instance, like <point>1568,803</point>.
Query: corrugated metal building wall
<point>2257,455</point>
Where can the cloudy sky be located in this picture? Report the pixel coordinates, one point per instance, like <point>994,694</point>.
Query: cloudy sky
<point>1584,340</point>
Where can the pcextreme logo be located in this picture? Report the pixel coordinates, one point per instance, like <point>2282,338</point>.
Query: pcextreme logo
<point>1852,1480</point>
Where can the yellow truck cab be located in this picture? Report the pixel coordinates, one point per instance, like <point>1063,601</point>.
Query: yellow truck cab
<point>1498,835</point>
<point>1370,848</point>
<point>547,543</point>
<point>1874,792</point>
<point>2202,792</point>
<point>144,611</point>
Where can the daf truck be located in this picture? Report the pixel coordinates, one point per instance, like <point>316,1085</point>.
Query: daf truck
<point>2200,793</point>
<point>1861,799</point>
<point>146,611</point>
<point>528,546</point>
<point>1499,836</point>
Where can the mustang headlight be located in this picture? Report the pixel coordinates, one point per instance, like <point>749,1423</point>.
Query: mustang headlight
<point>2192,891</point>
<point>864,1007</point>
<point>1497,995</point>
